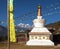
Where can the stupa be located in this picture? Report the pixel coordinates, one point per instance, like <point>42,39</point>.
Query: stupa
<point>39,35</point>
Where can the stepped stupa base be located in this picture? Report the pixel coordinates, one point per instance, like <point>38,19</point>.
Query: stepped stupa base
<point>40,43</point>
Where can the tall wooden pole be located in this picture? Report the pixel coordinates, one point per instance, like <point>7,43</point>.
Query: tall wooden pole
<point>11,27</point>
<point>8,16</point>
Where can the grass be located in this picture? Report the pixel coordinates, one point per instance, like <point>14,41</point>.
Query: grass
<point>23,46</point>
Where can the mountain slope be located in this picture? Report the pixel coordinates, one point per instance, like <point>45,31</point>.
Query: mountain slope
<point>55,27</point>
<point>3,31</point>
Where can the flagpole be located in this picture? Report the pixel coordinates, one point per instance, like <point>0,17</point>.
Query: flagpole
<point>11,27</point>
<point>8,2</point>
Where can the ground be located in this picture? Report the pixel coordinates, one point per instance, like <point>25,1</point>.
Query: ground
<point>23,46</point>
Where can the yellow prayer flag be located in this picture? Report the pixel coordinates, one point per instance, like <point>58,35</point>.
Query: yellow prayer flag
<point>12,27</point>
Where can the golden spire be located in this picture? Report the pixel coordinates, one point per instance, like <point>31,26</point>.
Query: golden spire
<point>39,10</point>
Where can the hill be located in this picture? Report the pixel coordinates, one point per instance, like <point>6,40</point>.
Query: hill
<point>3,33</point>
<point>54,27</point>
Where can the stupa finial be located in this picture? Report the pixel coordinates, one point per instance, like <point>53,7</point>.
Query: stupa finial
<point>39,10</point>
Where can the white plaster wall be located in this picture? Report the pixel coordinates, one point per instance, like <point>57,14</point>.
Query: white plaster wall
<point>38,24</point>
<point>39,17</point>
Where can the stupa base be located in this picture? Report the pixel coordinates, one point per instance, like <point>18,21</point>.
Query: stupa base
<point>40,42</point>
